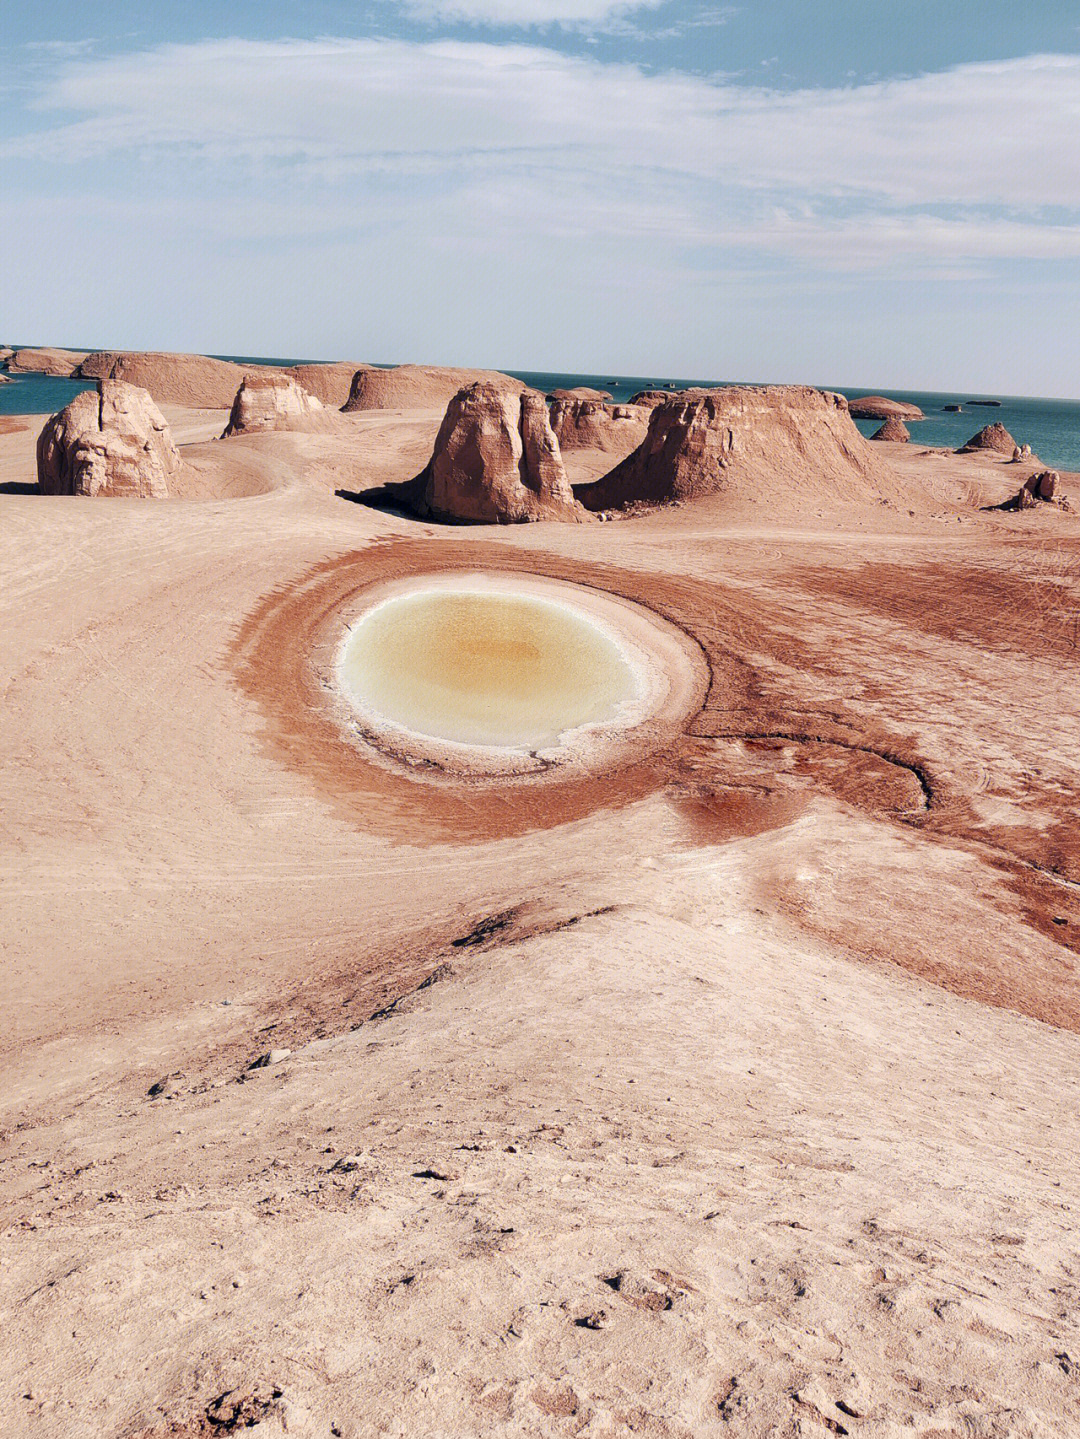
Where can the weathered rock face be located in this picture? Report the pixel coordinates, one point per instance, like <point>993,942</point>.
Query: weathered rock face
<point>651,398</point>
<point>991,437</point>
<point>272,402</point>
<point>894,430</point>
<point>584,424</point>
<point>496,461</point>
<point>419,387</point>
<point>113,442</point>
<point>878,407</point>
<point>777,441</point>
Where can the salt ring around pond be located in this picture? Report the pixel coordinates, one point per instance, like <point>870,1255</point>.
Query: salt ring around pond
<point>489,674</point>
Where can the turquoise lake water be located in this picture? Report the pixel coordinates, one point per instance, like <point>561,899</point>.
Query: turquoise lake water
<point>1050,427</point>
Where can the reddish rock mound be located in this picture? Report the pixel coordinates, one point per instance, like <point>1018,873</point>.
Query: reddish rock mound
<point>112,442</point>
<point>991,437</point>
<point>586,424</point>
<point>878,407</point>
<point>893,429</point>
<point>769,443</point>
<point>419,387</point>
<point>273,402</point>
<point>496,461</point>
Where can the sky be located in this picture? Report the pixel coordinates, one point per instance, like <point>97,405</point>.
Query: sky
<point>812,191</point>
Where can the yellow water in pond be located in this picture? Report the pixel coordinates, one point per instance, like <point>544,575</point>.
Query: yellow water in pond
<point>485,668</point>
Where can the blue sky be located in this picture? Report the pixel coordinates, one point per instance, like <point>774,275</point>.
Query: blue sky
<point>835,193</point>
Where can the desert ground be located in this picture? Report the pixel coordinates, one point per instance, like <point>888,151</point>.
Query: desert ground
<point>732,1089</point>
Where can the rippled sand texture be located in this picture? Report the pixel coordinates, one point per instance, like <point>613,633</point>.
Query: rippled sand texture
<point>484,668</point>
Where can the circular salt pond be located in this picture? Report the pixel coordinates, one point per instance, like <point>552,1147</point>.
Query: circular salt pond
<point>486,665</point>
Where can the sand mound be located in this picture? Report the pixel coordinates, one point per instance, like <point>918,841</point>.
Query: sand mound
<point>114,442</point>
<point>45,362</point>
<point>877,407</point>
<point>496,461</point>
<point>588,424</point>
<point>991,437</point>
<point>893,430</point>
<point>419,387</point>
<point>750,443</point>
<point>274,402</point>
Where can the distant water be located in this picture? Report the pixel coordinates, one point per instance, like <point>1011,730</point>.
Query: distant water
<point>1050,427</point>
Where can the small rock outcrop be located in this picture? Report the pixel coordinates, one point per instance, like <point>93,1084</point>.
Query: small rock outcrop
<point>1044,485</point>
<point>419,387</point>
<point>588,424</point>
<point>272,402</point>
<point>991,437</point>
<point>893,429</point>
<point>754,445</point>
<point>496,461</point>
<point>112,442</point>
<point>878,407</point>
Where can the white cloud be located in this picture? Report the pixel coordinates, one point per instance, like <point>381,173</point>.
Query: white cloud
<point>525,14</point>
<point>1006,133</point>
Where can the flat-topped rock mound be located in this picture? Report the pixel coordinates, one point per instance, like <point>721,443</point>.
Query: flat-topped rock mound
<point>331,383</point>
<point>879,407</point>
<point>578,392</point>
<point>205,383</point>
<point>275,402</point>
<point>893,430</point>
<point>590,424</point>
<point>763,445</point>
<point>114,441</point>
<point>62,363</point>
<point>195,380</point>
<point>420,387</point>
<point>991,437</point>
<point>496,461</point>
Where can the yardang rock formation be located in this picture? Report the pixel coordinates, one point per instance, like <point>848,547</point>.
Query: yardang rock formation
<point>273,402</point>
<point>893,430</point>
<point>878,407</point>
<point>751,443</point>
<point>496,461</point>
<point>112,442</point>
<point>590,424</point>
<point>991,437</point>
<point>419,387</point>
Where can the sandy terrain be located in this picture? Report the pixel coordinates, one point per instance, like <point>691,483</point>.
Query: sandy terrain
<point>734,1089</point>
